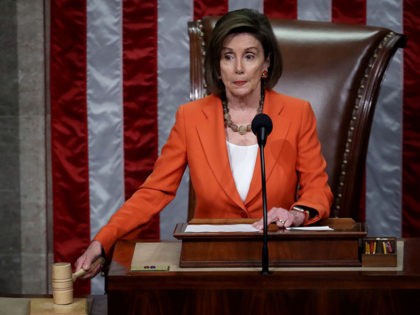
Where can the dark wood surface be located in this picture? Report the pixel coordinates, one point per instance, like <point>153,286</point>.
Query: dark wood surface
<point>249,292</point>
<point>338,247</point>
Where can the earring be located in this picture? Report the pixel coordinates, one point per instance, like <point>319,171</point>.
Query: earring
<point>264,74</point>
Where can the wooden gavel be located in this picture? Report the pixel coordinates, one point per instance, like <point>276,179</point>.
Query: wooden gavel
<point>63,278</point>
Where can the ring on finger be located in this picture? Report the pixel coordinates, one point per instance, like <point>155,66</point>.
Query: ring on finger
<point>282,221</point>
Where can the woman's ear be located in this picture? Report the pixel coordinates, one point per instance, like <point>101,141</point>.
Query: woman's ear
<point>267,62</point>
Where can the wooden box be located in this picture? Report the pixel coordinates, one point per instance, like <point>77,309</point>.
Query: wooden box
<point>379,252</point>
<point>339,247</point>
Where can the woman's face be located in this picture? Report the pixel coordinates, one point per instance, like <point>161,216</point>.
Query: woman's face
<point>242,63</point>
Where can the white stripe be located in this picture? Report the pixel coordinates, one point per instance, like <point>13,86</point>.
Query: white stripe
<point>105,118</point>
<point>384,160</point>
<point>314,10</point>
<point>173,90</point>
<point>251,4</point>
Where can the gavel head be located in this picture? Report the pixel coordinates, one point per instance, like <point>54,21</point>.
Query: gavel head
<point>62,283</point>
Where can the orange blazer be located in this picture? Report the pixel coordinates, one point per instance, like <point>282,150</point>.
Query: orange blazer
<point>295,167</point>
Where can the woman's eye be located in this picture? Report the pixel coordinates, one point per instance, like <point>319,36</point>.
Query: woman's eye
<point>249,56</point>
<point>227,57</point>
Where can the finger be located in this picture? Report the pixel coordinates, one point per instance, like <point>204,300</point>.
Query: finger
<point>289,220</point>
<point>287,223</point>
<point>273,215</point>
<point>91,273</point>
<point>83,263</point>
<point>83,267</point>
<point>94,269</point>
<point>96,265</point>
<point>284,222</point>
<point>258,224</point>
<point>79,262</point>
<point>280,223</point>
<point>87,262</point>
<point>92,253</point>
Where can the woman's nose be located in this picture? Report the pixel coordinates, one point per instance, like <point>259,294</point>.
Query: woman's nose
<point>238,66</point>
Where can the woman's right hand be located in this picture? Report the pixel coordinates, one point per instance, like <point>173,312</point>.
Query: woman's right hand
<point>92,253</point>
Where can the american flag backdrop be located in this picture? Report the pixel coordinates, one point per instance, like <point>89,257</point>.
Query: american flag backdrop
<point>120,68</point>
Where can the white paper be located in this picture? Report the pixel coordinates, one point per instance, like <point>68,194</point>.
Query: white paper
<point>197,228</point>
<point>207,228</point>
<point>310,228</point>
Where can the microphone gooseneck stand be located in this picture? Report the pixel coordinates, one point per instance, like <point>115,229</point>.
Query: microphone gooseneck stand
<point>261,127</point>
<point>265,269</point>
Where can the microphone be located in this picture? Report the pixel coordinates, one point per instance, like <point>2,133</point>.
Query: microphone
<point>262,126</point>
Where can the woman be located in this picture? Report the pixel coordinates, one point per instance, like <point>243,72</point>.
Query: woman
<point>213,137</point>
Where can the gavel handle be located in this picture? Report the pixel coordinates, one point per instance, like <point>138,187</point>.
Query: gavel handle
<point>82,271</point>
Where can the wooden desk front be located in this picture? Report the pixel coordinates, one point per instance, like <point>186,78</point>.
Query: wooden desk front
<point>226,291</point>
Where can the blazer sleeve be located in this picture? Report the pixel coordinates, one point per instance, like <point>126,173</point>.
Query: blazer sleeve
<point>155,193</point>
<point>313,190</point>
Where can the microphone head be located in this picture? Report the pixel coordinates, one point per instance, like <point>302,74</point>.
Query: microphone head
<point>262,121</point>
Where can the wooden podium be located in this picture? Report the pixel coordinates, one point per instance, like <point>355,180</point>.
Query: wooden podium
<point>338,247</point>
<point>287,290</point>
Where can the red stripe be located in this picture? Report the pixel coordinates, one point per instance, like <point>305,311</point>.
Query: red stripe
<point>411,118</point>
<point>140,98</point>
<point>349,11</point>
<point>281,9</point>
<point>69,151</point>
<point>209,7</point>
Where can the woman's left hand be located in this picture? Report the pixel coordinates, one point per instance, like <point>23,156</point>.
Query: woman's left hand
<point>282,217</point>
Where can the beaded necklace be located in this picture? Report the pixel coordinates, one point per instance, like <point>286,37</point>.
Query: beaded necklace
<point>241,129</point>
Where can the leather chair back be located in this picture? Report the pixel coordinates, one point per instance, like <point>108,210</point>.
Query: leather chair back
<point>338,68</point>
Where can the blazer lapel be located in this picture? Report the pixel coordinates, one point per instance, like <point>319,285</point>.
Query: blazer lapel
<point>211,132</point>
<point>273,147</point>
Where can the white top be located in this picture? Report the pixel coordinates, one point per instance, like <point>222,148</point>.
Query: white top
<point>242,163</point>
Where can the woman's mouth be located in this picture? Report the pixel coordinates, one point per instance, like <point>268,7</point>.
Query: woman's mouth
<point>239,83</point>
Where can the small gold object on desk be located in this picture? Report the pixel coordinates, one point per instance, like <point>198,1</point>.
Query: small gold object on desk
<point>379,252</point>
